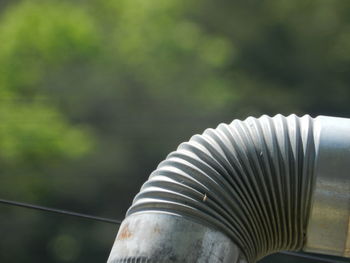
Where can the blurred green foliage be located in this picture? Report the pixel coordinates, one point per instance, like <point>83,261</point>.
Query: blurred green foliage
<point>37,133</point>
<point>93,94</point>
<point>39,37</point>
<point>34,40</point>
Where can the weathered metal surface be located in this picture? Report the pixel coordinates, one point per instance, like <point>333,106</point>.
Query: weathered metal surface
<point>328,229</point>
<point>167,238</point>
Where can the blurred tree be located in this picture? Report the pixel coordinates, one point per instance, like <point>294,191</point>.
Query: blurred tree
<point>120,83</point>
<point>33,132</point>
<point>290,56</point>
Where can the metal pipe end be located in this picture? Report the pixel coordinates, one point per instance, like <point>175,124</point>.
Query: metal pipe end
<point>159,237</point>
<point>328,230</point>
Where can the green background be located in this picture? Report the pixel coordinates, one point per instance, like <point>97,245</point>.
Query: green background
<point>95,93</point>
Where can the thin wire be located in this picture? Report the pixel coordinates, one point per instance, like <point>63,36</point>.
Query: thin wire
<point>60,211</point>
<point>118,222</point>
<point>308,256</point>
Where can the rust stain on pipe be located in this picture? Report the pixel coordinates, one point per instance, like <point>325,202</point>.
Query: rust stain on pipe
<point>125,233</point>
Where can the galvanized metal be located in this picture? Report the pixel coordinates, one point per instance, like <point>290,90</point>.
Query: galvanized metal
<point>328,229</point>
<point>158,237</point>
<point>249,184</point>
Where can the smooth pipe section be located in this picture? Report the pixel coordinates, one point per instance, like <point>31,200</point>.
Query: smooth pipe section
<point>328,230</point>
<point>158,237</point>
<point>242,191</point>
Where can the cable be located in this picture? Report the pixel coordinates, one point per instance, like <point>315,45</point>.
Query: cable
<point>59,211</point>
<point>308,256</point>
<point>118,222</point>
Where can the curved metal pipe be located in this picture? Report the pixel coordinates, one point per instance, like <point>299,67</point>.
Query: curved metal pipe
<point>242,191</point>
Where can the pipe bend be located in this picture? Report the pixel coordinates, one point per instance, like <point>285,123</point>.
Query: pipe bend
<point>248,183</point>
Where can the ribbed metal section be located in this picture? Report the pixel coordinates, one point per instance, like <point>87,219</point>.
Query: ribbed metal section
<point>250,179</point>
<point>131,260</point>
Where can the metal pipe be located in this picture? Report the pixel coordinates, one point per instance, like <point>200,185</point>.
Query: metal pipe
<point>328,231</point>
<point>242,191</point>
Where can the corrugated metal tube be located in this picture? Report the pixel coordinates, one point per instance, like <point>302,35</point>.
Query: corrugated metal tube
<point>242,191</point>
